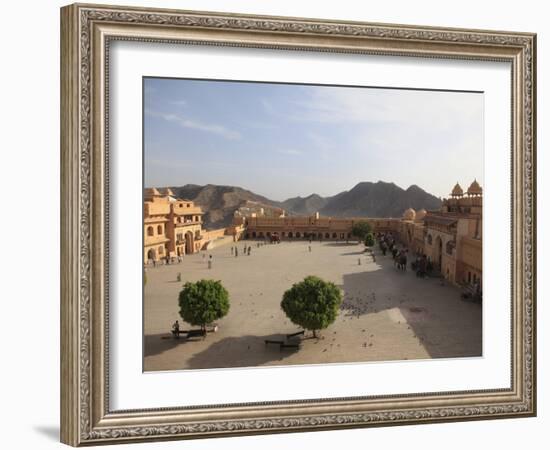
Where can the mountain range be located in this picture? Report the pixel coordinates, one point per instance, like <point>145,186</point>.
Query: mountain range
<point>380,199</point>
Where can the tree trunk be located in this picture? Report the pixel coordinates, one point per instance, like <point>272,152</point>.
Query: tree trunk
<point>314,334</point>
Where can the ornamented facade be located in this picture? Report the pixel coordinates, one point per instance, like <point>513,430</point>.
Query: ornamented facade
<point>172,227</point>
<point>450,237</point>
<point>305,227</point>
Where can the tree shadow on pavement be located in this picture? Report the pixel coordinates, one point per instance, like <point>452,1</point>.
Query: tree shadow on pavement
<point>241,351</point>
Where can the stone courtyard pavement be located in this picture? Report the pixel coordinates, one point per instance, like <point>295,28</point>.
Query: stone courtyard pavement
<point>386,314</point>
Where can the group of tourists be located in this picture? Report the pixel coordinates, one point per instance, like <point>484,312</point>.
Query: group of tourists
<point>246,250</point>
<point>400,258</point>
<point>387,242</point>
<point>166,260</point>
<point>421,263</point>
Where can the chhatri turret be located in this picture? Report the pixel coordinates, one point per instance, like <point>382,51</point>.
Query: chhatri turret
<point>409,214</point>
<point>151,193</point>
<point>474,190</point>
<point>420,214</point>
<point>457,191</point>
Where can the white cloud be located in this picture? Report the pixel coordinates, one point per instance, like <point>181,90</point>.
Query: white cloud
<point>290,151</point>
<point>267,105</point>
<point>404,107</point>
<point>196,125</point>
<point>179,102</point>
<point>409,137</point>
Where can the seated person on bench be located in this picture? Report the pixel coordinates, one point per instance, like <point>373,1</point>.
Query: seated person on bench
<point>176,329</point>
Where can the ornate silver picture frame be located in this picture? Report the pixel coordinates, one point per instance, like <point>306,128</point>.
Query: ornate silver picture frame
<point>87,33</point>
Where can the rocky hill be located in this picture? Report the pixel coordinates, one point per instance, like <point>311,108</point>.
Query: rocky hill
<point>305,205</point>
<point>219,202</point>
<point>379,199</point>
<point>369,199</point>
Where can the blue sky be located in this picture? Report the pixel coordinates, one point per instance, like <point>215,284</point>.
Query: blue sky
<point>282,140</point>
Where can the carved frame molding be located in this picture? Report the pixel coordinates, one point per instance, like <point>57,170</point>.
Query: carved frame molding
<point>86,32</point>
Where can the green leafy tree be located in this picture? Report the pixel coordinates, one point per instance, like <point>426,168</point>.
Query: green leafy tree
<point>312,303</point>
<point>369,240</point>
<point>203,302</point>
<point>360,230</point>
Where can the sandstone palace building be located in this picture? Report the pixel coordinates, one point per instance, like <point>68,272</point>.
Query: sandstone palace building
<point>450,237</point>
<point>172,227</point>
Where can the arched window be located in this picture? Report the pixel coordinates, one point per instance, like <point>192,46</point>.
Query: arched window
<point>298,234</point>
<point>159,229</point>
<point>327,236</point>
<point>290,235</point>
<point>150,231</point>
<point>333,235</point>
<point>449,248</point>
<point>429,239</point>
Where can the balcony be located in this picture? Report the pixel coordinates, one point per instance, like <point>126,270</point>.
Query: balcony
<point>186,224</point>
<point>152,240</point>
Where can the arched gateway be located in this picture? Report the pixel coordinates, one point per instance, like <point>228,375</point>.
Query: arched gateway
<point>189,243</point>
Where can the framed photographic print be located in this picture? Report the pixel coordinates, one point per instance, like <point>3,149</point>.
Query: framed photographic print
<point>279,224</point>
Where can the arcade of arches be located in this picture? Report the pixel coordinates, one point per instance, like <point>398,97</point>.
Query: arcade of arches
<point>173,227</point>
<point>450,237</point>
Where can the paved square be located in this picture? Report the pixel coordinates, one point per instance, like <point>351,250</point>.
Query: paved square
<point>386,314</point>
